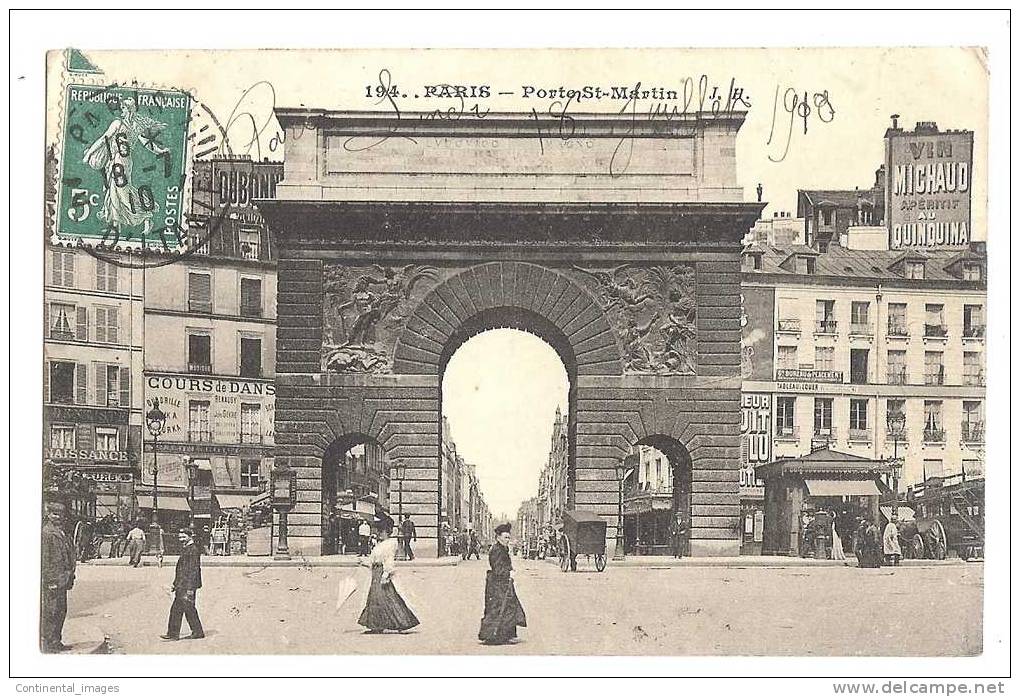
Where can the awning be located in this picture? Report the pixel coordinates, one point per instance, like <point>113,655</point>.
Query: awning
<point>233,500</point>
<point>166,503</point>
<point>202,464</point>
<point>904,513</point>
<point>842,487</point>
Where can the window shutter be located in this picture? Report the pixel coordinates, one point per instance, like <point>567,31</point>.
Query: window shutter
<point>81,380</point>
<point>112,273</point>
<point>47,329</point>
<point>82,333</point>
<point>46,381</point>
<point>100,382</point>
<point>112,322</point>
<point>56,268</point>
<point>125,387</point>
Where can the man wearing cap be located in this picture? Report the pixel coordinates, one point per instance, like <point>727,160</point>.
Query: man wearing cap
<point>187,581</point>
<point>57,578</point>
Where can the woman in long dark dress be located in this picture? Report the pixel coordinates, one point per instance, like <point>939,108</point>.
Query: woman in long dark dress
<point>503,611</point>
<point>384,608</point>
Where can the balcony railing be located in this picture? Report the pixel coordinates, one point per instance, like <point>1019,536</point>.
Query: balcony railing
<point>824,434</point>
<point>896,377</point>
<point>974,331</point>
<point>197,248</point>
<point>892,436</point>
<point>934,435</point>
<point>825,326</point>
<point>251,437</point>
<point>62,335</point>
<point>200,306</point>
<point>935,331</point>
<point>897,329</point>
<point>972,431</point>
<point>974,380</point>
<point>861,434</point>
<point>787,433</point>
<point>203,368</point>
<point>199,436</point>
<point>938,378</point>
<point>789,325</point>
<point>861,329</point>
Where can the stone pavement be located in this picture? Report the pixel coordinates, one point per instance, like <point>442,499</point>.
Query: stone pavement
<point>629,609</point>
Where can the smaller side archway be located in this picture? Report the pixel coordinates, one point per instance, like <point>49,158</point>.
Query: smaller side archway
<point>657,498</point>
<point>355,485</point>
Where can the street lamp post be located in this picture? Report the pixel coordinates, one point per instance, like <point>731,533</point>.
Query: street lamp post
<point>623,468</point>
<point>155,422</point>
<point>896,422</point>
<point>398,471</point>
<point>284,493</point>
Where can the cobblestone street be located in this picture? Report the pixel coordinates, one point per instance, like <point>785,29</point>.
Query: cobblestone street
<point>628,610</point>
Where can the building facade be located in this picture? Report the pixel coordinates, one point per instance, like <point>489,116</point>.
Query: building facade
<point>848,342</point>
<point>92,372</point>
<point>210,349</point>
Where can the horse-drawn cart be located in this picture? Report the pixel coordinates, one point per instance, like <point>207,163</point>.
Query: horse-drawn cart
<point>582,533</point>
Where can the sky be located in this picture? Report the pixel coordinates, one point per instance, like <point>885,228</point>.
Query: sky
<point>500,393</point>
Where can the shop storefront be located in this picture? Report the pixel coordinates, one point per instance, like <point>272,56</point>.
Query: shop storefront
<point>826,485</point>
<point>647,524</point>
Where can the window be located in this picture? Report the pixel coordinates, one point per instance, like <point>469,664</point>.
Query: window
<point>62,437</point>
<point>249,474</point>
<point>251,423</point>
<point>934,324</point>
<point>973,320</point>
<point>972,272</point>
<point>809,266</point>
<point>895,408</point>
<point>106,276</point>
<point>897,319</point>
<point>932,468</point>
<point>934,371</point>
<point>251,358</point>
<point>933,432</point>
<point>972,372</point>
<point>825,358</point>
<point>250,243</point>
<point>199,292</point>
<point>66,383</point>
<point>658,472</point>
<point>858,416</point>
<point>915,269</point>
<point>859,323</point>
<point>106,439</point>
<point>788,357</point>
<point>63,269</point>
<point>859,366</point>
<point>825,313</point>
<point>973,427</point>
<point>784,415</point>
<point>823,416</point>
<point>827,216</point>
<point>251,297</point>
<point>199,353</point>
<point>789,320</point>
<point>756,262</point>
<point>61,321</point>
<point>198,422</point>
<point>107,320</point>
<point>896,367</point>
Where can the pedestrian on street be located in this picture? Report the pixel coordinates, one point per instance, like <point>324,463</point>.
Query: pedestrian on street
<point>473,545</point>
<point>869,552</point>
<point>891,542</point>
<point>135,544</point>
<point>58,562</point>
<point>678,530</point>
<point>408,532</point>
<point>384,608</point>
<point>503,611</point>
<point>187,581</point>
<point>365,538</point>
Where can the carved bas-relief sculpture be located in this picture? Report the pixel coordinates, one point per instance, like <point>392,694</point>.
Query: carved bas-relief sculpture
<point>653,311</point>
<point>364,309</point>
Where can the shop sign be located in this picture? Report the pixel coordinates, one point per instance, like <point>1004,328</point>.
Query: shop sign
<point>755,435</point>
<point>111,477</point>
<point>96,455</point>
<point>222,386</point>
<point>809,375</point>
<point>928,199</point>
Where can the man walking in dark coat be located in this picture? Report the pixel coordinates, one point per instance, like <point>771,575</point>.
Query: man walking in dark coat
<point>187,581</point>
<point>57,578</point>
<point>408,533</point>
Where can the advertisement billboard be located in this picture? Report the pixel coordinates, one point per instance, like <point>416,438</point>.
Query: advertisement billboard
<point>928,196</point>
<point>755,436</point>
<point>756,333</point>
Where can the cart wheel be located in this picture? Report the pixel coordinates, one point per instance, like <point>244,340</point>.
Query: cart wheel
<point>564,553</point>
<point>916,548</point>
<point>600,562</point>
<point>941,541</point>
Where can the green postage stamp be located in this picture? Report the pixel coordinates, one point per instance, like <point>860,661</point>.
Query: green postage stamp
<point>123,166</point>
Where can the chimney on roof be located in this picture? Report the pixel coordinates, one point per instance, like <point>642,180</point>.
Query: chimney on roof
<point>895,121</point>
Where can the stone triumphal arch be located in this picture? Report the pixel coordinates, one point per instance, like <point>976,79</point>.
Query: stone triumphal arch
<point>400,238</point>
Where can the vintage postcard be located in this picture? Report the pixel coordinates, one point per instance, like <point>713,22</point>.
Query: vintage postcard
<point>626,352</point>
